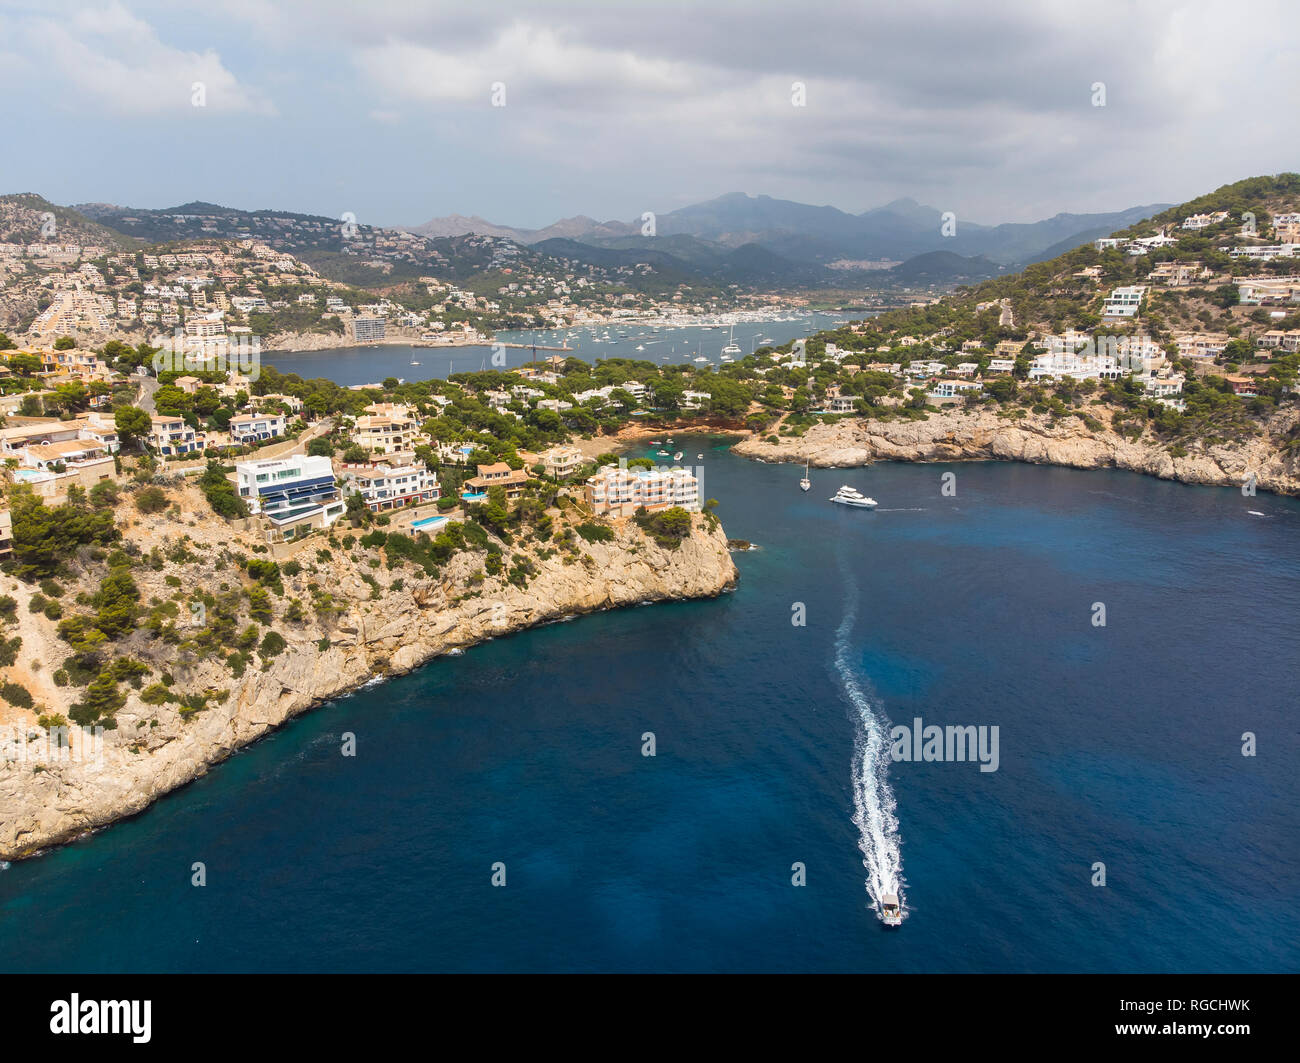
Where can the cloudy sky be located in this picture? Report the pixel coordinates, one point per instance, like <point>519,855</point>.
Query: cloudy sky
<point>612,107</point>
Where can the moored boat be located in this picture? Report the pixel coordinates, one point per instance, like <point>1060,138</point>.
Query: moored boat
<point>851,496</point>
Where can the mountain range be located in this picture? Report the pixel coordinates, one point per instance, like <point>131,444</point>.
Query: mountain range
<point>742,239</point>
<point>806,235</point>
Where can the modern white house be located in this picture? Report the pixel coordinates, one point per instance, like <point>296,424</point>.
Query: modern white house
<point>293,495</point>
<point>955,389</point>
<point>1124,301</point>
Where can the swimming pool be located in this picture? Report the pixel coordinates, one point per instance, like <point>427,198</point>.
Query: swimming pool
<point>472,496</point>
<point>427,522</point>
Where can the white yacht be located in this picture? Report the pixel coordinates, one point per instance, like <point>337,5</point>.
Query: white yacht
<point>732,348</point>
<point>805,483</point>
<point>891,914</point>
<point>701,358</point>
<point>851,496</point>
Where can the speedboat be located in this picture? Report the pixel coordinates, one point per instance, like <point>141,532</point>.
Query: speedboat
<point>677,456</point>
<point>851,496</point>
<point>890,912</point>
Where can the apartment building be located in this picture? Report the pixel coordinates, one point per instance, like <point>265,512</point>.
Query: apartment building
<point>1286,228</point>
<point>1277,338</point>
<point>255,427</point>
<point>1201,345</point>
<point>369,329</point>
<point>619,491</point>
<point>388,486</point>
<point>384,433</point>
<point>171,436</point>
<point>292,495</point>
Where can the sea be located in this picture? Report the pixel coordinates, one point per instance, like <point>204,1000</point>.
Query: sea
<point>698,343</point>
<point>502,811</point>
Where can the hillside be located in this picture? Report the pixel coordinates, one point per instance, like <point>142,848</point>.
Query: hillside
<point>1053,295</point>
<point>25,219</point>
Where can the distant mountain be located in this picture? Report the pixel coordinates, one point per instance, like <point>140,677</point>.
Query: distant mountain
<point>459,225</point>
<point>806,235</point>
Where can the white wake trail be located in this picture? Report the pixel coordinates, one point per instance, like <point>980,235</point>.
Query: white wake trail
<point>873,800</point>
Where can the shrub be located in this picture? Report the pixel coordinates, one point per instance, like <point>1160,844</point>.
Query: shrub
<point>9,650</point>
<point>102,700</point>
<point>16,694</point>
<point>595,533</point>
<point>272,645</point>
<point>151,500</point>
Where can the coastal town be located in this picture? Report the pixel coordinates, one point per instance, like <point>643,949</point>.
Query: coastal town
<point>75,277</point>
<point>135,474</point>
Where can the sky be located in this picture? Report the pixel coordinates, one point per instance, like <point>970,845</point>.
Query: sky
<point>400,111</point>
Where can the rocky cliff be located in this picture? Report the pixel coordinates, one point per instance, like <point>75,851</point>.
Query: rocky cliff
<point>385,628</point>
<point>963,435</point>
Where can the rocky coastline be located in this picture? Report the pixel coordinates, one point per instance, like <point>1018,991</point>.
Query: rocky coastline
<point>962,435</point>
<point>381,631</point>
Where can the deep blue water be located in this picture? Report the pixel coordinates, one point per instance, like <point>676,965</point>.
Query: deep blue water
<point>349,366</point>
<point>1118,744</point>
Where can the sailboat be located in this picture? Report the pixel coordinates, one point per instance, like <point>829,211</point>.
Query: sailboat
<point>732,348</point>
<point>805,483</point>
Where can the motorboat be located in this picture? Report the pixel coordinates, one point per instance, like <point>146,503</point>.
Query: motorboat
<point>851,496</point>
<point>891,913</point>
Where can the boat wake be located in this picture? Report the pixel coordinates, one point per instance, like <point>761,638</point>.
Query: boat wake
<point>873,800</point>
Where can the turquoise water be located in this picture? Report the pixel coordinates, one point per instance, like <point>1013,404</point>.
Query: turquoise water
<point>427,521</point>
<point>1119,745</point>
